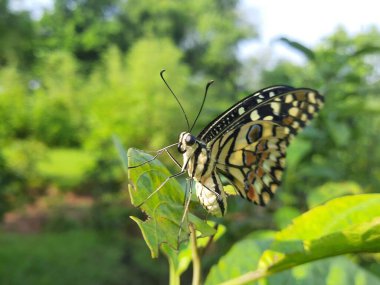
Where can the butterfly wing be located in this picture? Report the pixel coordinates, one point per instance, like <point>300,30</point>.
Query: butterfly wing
<point>226,120</point>
<point>251,150</point>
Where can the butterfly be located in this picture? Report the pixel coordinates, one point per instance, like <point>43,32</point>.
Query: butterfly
<point>246,144</point>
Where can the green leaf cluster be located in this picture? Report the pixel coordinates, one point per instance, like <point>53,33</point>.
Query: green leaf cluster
<point>86,70</point>
<point>348,224</point>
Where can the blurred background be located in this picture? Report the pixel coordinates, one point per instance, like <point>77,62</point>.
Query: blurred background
<point>75,72</point>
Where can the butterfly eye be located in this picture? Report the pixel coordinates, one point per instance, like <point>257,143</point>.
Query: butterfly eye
<point>190,140</point>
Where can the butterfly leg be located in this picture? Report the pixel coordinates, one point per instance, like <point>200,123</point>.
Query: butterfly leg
<point>158,153</point>
<point>161,185</point>
<point>186,208</point>
<point>174,160</point>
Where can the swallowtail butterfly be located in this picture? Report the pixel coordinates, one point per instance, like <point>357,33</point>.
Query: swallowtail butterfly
<point>246,144</point>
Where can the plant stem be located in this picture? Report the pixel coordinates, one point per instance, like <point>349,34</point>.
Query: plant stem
<point>202,251</point>
<point>245,278</point>
<point>197,273</point>
<point>173,277</point>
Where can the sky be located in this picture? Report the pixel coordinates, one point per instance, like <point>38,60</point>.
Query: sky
<point>304,21</point>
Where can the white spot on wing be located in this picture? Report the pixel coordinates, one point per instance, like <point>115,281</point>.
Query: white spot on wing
<point>258,186</point>
<point>278,174</point>
<point>241,110</point>
<point>267,180</point>
<point>311,96</point>
<point>275,108</point>
<point>255,115</point>
<point>289,98</point>
<point>293,112</point>
<point>295,125</point>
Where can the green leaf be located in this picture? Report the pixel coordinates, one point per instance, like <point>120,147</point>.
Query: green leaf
<point>348,224</point>
<point>241,258</point>
<point>308,53</point>
<point>286,254</point>
<point>334,270</point>
<point>122,154</point>
<point>344,225</point>
<point>183,258</point>
<point>164,209</point>
<point>332,190</point>
<point>336,215</point>
<point>370,49</point>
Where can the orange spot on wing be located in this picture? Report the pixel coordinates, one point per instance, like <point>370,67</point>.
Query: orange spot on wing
<point>261,146</point>
<point>249,158</point>
<point>251,194</point>
<point>301,96</point>
<point>264,156</point>
<point>260,172</point>
<point>287,120</point>
<point>251,175</point>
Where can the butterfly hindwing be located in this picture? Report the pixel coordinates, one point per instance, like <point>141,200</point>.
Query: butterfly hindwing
<point>253,159</point>
<point>251,151</point>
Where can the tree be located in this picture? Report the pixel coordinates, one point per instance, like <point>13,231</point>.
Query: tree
<point>342,143</point>
<point>16,36</point>
<point>206,31</point>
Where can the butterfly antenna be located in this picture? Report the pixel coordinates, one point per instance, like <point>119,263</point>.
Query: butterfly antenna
<point>203,102</point>
<point>179,103</point>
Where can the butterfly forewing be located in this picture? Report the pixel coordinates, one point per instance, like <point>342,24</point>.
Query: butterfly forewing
<point>227,120</point>
<point>250,149</point>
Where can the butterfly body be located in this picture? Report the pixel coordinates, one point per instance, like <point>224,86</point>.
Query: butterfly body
<point>247,144</point>
<point>201,167</point>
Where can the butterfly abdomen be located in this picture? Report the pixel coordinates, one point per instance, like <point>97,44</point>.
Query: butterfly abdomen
<point>209,188</point>
<point>211,195</point>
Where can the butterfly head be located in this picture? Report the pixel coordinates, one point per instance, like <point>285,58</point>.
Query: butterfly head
<point>186,142</point>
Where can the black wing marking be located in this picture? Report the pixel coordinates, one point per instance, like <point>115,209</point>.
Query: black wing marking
<point>251,151</point>
<point>252,158</point>
<point>224,121</point>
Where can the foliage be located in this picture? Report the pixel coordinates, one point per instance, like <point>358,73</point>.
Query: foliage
<point>65,167</point>
<point>17,43</point>
<point>74,257</point>
<point>205,30</point>
<point>312,236</point>
<point>58,115</point>
<point>333,270</point>
<point>89,69</point>
<point>165,208</point>
<point>13,92</point>
<point>342,143</point>
<point>89,73</point>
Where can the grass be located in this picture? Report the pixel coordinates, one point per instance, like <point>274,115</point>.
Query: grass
<point>76,257</point>
<point>83,257</point>
<point>66,166</point>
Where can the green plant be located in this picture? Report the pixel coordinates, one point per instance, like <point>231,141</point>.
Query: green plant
<point>344,225</point>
